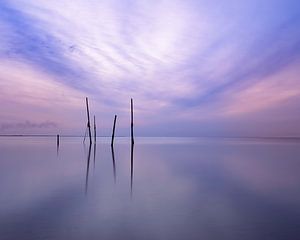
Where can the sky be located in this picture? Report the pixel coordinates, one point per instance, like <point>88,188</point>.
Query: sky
<point>193,67</point>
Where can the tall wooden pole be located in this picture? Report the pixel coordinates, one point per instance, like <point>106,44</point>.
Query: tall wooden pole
<point>113,133</point>
<point>132,140</point>
<point>95,134</point>
<point>88,117</point>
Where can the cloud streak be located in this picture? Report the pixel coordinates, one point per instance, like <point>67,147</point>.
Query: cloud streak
<point>27,125</point>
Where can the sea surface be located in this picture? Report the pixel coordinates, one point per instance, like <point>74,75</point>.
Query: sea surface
<point>162,188</point>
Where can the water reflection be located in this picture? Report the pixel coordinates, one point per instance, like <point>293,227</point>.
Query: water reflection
<point>87,169</point>
<point>94,154</point>
<point>57,150</point>
<point>114,163</point>
<point>183,190</point>
<point>131,169</point>
<point>57,145</point>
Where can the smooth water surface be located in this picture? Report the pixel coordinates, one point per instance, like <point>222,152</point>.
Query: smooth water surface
<point>163,188</point>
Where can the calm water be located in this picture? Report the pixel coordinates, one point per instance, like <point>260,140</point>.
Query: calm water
<point>170,188</point>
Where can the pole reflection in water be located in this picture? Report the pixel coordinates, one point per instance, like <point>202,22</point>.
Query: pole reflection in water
<point>113,161</point>
<point>57,150</point>
<point>94,154</point>
<point>57,145</point>
<point>131,169</point>
<point>87,169</point>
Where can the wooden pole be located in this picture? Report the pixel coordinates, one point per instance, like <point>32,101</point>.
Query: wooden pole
<point>131,103</point>
<point>113,133</point>
<point>95,132</point>
<point>88,117</point>
<point>86,129</point>
<point>132,145</point>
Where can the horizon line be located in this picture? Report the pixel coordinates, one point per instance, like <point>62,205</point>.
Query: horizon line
<point>122,136</point>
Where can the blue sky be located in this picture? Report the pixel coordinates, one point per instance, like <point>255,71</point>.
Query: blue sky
<point>194,68</point>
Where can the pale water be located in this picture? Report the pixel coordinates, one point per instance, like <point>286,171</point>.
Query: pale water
<point>164,188</point>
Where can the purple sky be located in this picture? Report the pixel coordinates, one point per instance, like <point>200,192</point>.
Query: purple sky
<point>193,67</point>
